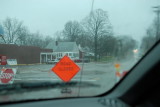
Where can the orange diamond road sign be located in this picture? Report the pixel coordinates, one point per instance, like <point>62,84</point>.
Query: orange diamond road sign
<point>66,69</point>
<point>117,65</point>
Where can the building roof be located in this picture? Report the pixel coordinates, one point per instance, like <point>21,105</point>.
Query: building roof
<point>63,47</point>
<point>51,45</point>
<point>67,47</point>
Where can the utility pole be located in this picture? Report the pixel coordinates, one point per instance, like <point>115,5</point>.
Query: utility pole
<point>92,7</point>
<point>157,11</point>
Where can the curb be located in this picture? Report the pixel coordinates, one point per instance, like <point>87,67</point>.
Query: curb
<point>30,64</point>
<point>24,64</point>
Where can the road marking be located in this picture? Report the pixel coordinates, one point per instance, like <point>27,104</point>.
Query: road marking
<point>95,78</point>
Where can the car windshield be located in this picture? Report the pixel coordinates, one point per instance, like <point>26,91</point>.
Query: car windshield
<point>71,48</point>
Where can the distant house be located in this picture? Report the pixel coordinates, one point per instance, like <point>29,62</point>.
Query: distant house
<point>45,56</point>
<point>67,48</point>
<point>60,49</point>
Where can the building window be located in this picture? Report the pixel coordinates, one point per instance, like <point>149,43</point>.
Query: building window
<point>59,54</point>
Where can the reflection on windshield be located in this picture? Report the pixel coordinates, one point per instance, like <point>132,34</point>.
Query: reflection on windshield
<point>102,40</point>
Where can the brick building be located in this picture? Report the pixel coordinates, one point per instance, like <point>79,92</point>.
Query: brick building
<point>23,54</point>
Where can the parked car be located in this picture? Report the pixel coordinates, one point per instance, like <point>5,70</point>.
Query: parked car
<point>54,61</point>
<point>86,60</point>
<point>77,60</point>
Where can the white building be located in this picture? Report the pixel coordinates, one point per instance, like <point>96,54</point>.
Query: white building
<point>59,50</point>
<point>67,48</point>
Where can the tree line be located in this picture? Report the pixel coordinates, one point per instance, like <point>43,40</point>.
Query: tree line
<point>14,31</point>
<point>94,33</point>
<point>152,36</point>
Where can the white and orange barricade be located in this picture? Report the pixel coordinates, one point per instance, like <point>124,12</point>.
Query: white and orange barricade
<point>118,73</point>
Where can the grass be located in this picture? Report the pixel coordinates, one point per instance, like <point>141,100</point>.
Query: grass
<point>106,59</point>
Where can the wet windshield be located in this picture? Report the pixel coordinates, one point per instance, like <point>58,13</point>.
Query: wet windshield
<point>71,48</point>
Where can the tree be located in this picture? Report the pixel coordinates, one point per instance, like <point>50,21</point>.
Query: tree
<point>152,35</point>
<point>59,36</point>
<point>11,28</point>
<point>72,30</point>
<point>36,39</point>
<point>85,40</point>
<point>23,35</point>
<point>148,40</point>
<point>16,33</point>
<point>47,40</point>
<point>107,45</point>
<point>2,34</point>
<point>124,47</point>
<point>97,24</point>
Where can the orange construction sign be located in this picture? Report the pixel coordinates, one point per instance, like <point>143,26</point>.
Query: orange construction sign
<point>66,69</point>
<point>117,65</point>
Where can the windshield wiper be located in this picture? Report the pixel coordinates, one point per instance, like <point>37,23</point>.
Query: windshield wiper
<point>22,87</point>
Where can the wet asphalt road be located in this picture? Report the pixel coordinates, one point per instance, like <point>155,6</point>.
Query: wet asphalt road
<point>101,74</point>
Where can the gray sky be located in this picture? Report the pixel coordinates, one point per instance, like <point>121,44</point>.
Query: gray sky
<point>128,17</point>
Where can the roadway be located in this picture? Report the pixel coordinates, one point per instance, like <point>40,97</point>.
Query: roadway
<point>101,74</point>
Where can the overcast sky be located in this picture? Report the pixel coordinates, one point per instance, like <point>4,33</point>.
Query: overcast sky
<point>128,17</point>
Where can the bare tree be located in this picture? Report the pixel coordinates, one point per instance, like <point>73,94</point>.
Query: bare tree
<point>2,34</point>
<point>11,27</point>
<point>85,40</point>
<point>97,24</point>
<point>148,40</point>
<point>152,35</point>
<point>36,39</point>
<point>124,47</point>
<point>72,30</point>
<point>15,32</point>
<point>107,45</point>
<point>59,36</point>
<point>22,36</point>
<point>47,40</point>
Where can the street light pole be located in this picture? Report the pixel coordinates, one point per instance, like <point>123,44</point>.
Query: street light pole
<point>92,7</point>
<point>157,11</point>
